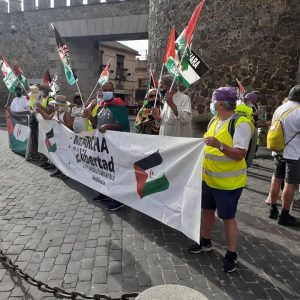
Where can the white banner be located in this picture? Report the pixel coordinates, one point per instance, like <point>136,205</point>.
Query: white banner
<point>158,175</point>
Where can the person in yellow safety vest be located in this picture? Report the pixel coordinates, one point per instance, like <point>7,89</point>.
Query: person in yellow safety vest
<point>46,98</point>
<point>33,96</point>
<point>224,172</point>
<point>93,106</point>
<point>243,109</point>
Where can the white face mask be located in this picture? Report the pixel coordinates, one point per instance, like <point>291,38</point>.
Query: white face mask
<point>213,109</point>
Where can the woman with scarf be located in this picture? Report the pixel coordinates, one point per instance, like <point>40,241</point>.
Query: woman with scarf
<point>144,122</point>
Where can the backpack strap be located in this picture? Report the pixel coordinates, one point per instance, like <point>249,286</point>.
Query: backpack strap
<point>283,116</point>
<point>287,112</point>
<point>232,123</point>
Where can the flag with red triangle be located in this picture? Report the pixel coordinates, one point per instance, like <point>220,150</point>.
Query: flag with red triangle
<point>104,76</point>
<point>10,79</point>
<point>184,41</point>
<point>20,74</point>
<point>240,89</point>
<point>47,78</point>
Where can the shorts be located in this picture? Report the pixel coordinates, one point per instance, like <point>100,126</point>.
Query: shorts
<point>224,201</point>
<point>280,166</point>
<point>292,175</point>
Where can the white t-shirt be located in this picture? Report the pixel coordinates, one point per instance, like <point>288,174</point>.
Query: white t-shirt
<point>79,123</point>
<point>242,134</point>
<point>180,125</point>
<point>291,125</point>
<point>19,104</point>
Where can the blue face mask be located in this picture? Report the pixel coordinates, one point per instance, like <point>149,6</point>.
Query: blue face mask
<point>107,96</point>
<point>213,110</point>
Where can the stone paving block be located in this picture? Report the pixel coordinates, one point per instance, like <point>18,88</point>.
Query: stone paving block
<point>115,267</point>
<point>100,275</point>
<point>101,261</point>
<point>85,275</point>
<point>58,272</point>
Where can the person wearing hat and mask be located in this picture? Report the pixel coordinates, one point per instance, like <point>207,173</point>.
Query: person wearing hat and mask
<point>79,122</point>
<point>61,114</point>
<point>224,172</point>
<point>287,163</point>
<point>111,115</point>
<point>19,103</point>
<point>46,99</point>
<point>144,122</point>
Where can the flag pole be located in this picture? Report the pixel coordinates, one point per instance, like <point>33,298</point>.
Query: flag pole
<point>83,105</point>
<point>92,91</point>
<point>185,49</point>
<point>8,98</point>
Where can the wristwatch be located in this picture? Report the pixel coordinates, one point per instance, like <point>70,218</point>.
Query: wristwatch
<point>221,147</point>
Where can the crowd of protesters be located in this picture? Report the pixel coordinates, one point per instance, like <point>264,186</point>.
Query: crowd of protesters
<point>167,111</point>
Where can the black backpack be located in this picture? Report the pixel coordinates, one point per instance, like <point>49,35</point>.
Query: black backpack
<point>253,142</point>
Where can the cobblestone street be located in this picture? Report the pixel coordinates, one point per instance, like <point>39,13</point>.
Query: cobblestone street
<point>52,230</point>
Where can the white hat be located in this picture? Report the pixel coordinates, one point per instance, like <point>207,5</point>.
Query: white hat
<point>60,100</point>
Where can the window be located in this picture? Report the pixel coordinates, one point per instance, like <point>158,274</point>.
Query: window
<point>143,83</point>
<point>120,67</point>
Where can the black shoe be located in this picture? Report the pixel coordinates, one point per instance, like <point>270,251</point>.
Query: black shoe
<point>229,262</point>
<point>196,248</point>
<point>274,212</point>
<point>101,197</point>
<point>57,173</point>
<point>115,205</point>
<point>288,220</point>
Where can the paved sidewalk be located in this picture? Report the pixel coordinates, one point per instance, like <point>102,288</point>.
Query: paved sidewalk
<point>53,230</point>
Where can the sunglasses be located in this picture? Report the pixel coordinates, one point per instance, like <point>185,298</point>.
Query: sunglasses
<point>152,96</point>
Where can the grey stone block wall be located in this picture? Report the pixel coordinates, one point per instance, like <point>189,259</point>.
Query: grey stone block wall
<point>33,44</point>
<point>255,41</point>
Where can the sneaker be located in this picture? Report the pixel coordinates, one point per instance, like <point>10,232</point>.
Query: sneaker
<point>274,212</point>
<point>288,220</point>
<point>101,197</point>
<point>47,166</point>
<point>115,205</point>
<point>196,248</point>
<point>57,173</point>
<point>229,262</point>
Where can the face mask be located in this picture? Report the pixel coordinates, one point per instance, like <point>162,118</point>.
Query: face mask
<point>107,96</point>
<point>213,110</point>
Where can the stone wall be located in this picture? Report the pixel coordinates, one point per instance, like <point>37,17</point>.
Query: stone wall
<point>31,42</point>
<point>256,41</point>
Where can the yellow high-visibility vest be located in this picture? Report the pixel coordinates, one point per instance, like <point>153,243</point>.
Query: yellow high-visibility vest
<point>220,171</point>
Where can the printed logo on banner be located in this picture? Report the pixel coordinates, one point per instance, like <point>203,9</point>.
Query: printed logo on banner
<point>149,179</point>
<point>50,141</point>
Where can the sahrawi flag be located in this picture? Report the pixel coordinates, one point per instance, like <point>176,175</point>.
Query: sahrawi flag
<point>184,41</point>
<point>240,89</point>
<point>150,178</point>
<point>10,79</point>
<point>19,73</point>
<point>196,66</point>
<point>47,78</point>
<point>104,76</point>
<point>64,55</point>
